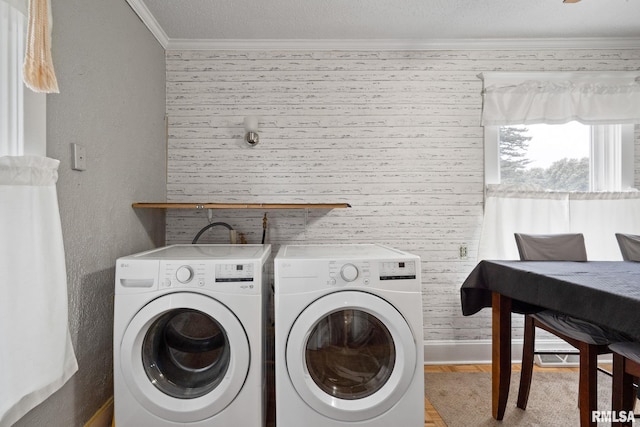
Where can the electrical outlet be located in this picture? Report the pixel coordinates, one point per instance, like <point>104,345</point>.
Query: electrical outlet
<point>463,251</point>
<point>79,157</point>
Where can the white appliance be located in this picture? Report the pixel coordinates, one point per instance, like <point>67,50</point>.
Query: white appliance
<point>189,336</point>
<point>348,330</point>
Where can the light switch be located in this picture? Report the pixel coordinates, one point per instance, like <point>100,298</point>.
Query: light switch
<point>79,157</point>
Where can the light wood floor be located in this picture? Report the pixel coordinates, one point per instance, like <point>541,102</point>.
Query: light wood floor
<point>431,416</point>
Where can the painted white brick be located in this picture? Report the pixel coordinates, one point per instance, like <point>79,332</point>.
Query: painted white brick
<point>394,133</point>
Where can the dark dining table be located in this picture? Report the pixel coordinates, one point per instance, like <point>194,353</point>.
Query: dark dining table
<point>601,292</point>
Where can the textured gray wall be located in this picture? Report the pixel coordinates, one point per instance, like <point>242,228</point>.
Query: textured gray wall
<point>111,75</point>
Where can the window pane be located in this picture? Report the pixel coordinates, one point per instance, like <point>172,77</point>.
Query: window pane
<point>12,33</point>
<point>552,157</point>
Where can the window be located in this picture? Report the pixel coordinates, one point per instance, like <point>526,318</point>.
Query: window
<point>585,119</point>
<point>567,157</point>
<point>22,112</point>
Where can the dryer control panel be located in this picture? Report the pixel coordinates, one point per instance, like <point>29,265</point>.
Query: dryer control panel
<point>360,272</point>
<point>349,272</point>
<point>300,269</point>
<point>397,270</point>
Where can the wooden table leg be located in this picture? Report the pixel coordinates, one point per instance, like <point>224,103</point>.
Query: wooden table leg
<point>623,394</point>
<point>501,353</point>
<point>588,384</point>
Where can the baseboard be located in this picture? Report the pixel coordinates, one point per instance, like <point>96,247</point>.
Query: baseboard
<point>103,417</point>
<point>479,351</point>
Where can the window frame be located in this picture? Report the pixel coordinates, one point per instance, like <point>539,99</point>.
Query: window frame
<point>34,105</point>
<point>492,155</point>
<point>35,123</point>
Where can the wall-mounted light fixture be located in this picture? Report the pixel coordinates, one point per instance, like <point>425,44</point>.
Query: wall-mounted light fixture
<point>251,129</point>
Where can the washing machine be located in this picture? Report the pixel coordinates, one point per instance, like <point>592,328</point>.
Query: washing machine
<point>348,331</point>
<point>189,336</point>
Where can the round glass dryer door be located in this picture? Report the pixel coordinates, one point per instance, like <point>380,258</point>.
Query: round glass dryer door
<point>351,355</point>
<point>185,353</point>
<point>185,357</point>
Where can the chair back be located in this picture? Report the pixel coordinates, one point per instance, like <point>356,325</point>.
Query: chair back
<point>629,246</point>
<point>551,247</point>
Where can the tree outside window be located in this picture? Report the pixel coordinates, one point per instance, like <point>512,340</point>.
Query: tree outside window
<point>519,165</point>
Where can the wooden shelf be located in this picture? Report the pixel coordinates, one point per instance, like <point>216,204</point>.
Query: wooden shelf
<point>241,205</point>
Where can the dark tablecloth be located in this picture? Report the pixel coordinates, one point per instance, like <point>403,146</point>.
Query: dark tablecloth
<point>602,292</point>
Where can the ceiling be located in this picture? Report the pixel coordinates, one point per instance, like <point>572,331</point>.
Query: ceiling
<point>192,23</point>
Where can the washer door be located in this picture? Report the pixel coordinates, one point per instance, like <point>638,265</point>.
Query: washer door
<point>351,356</point>
<point>185,357</point>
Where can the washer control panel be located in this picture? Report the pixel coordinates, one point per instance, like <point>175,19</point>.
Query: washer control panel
<point>234,272</point>
<point>178,274</point>
<point>215,276</point>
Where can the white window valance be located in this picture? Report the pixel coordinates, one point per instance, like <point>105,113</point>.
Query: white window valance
<point>556,98</point>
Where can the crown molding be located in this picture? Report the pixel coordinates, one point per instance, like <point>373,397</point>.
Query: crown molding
<point>401,44</point>
<point>378,44</point>
<point>149,20</point>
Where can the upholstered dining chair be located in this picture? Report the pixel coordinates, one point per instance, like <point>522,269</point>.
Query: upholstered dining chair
<point>629,246</point>
<point>589,339</point>
<point>626,370</point>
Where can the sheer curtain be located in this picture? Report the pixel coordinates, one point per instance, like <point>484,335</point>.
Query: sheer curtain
<point>606,148</point>
<point>598,99</point>
<point>511,210</point>
<point>36,353</point>
<point>596,215</point>
<point>600,215</point>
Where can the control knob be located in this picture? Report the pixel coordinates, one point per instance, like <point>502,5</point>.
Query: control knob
<point>184,274</point>
<point>349,272</point>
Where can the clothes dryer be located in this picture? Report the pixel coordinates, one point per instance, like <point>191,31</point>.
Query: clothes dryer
<point>349,350</point>
<point>189,334</point>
